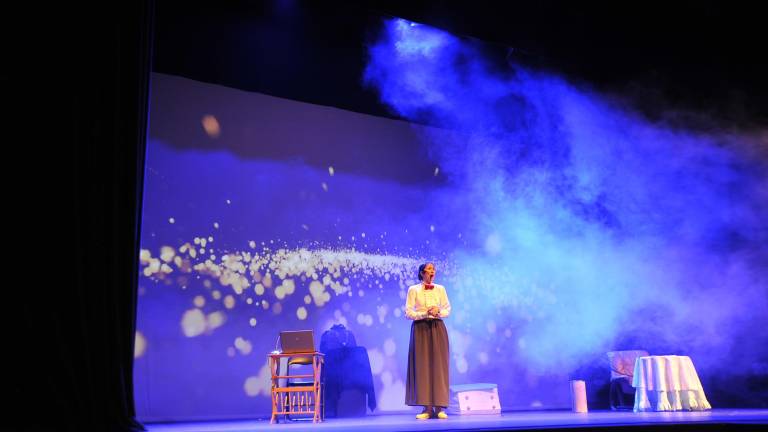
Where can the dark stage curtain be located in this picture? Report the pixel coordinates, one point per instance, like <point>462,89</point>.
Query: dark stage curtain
<point>78,83</point>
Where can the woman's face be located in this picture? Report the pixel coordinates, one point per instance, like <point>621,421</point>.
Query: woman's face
<point>428,274</point>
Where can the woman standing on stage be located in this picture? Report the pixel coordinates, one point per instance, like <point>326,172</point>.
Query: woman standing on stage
<point>427,385</point>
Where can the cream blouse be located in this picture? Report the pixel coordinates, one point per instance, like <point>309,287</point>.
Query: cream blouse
<point>419,300</point>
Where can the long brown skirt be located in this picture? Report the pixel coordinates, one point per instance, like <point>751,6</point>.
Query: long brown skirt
<point>428,363</point>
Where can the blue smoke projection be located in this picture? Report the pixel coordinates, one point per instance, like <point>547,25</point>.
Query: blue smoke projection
<point>562,224</point>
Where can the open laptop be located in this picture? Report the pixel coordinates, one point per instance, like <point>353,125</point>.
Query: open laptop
<point>297,341</point>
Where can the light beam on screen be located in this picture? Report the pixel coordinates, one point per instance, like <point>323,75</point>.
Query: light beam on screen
<point>590,228</point>
<point>323,272</point>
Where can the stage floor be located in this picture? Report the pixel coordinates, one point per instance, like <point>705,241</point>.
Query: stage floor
<point>529,420</point>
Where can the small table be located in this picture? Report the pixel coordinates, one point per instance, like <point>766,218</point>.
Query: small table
<point>672,381</point>
<point>296,399</point>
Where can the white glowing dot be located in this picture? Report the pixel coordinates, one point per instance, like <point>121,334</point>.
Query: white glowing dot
<point>461,365</point>
<point>259,289</point>
<point>252,386</point>
<point>229,202</point>
<point>171,220</point>
<point>491,326</point>
<point>306,228</point>
<point>324,186</point>
<point>145,255</point>
<point>377,361</point>
<point>211,126</point>
<point>196,240</point>
<point>210,239</point>
<point>331,171</point>
<point>167,253</point>
<point>216,225</point>
<point>389,347</point>
<point>381,311</point>
<point>215,319</point>
<point>437,170</point>
<point>361,293</point>
<point>432,228</point>
<point>362,235</point>
<point>193,323</point>
<point>289,286</point>
<point>139,345</point>
<point>301,313</point>
<point>259,384</point>
<point>307,299</point>
<point>252,244</point>
<point>246,349</point>
<point>199,301</point>
<point>249,300</point>
<point>242,345</point>
<point>216,294</point>
<point>229,302</point>
<point>252,322</point>
<point>317,290</point>
<point>386,378</point>
<point>153,267</point>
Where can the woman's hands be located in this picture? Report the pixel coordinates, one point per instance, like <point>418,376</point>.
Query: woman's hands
<point>433,312</point>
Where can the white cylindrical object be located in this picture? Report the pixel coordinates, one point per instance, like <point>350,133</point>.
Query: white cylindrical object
<point>578,396</point>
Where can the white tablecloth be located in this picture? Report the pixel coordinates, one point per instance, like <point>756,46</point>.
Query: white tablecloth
<point>670,382</point>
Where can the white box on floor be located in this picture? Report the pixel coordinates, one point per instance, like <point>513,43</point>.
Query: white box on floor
<point>471,399</point>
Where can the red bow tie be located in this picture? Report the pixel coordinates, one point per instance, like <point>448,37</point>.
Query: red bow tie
<point>429,287</point>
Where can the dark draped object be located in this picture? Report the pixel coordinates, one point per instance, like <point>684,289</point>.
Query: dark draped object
<point>82,101</point>
<point>347,368</point>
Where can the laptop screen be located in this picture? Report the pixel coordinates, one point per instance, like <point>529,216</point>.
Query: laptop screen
<point>297,341</point>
